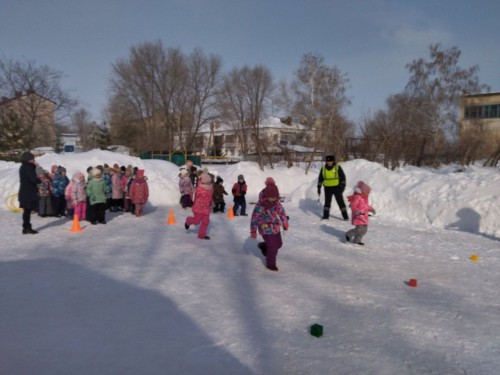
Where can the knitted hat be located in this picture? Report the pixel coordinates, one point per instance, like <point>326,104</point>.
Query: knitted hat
<point>53,168</point>
<point>184,172</point>
<point>270,195</point>
<point>364,188</point>
<point>61,169</point>
<point>330,158</point>
<point>240,177</point>
<point>219,180</point>
<point>270,181</point>
<point>96,172</point>
<point>140,173</point>
<point>205,181</point>
<point>27,156</point>
<point>39,170</point>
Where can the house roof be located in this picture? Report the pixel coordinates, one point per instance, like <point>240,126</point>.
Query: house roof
<point>6,100</point>
<point>269,122</point>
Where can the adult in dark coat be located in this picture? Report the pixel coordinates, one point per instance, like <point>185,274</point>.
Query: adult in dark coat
<point>332,178</point>
<point>28,197</point>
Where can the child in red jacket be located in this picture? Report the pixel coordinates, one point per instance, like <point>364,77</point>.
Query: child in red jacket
<point>360,209</point>
<point>139,192</point>
<point>201,206</point>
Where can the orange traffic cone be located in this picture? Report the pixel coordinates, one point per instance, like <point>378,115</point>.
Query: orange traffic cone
<point>171,218</point>
<point>76,225</point>
<point>230,213</point>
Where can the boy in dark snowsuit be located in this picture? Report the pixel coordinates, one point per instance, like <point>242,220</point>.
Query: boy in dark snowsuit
<point>332,177</point>
<point>239,191</point>
<point>218,196</point>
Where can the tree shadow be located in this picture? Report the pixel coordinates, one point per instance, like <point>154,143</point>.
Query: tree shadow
<point>62,318</point>
<point>469,221</point>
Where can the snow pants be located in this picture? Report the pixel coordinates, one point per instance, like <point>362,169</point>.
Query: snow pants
<point>81,210</point>
<point>204,219</point>
<point>273,244</point>
<point>358,232</point>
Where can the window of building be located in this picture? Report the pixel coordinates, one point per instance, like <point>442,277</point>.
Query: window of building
<point>483,111</point>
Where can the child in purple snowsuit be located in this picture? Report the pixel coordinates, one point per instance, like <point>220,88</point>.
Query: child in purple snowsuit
<point>186,188</point>
<point>267,217</point>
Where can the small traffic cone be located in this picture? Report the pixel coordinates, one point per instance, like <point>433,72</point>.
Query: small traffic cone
<point>230,213</point>
<point>171,218</point>
<point>76,225</point>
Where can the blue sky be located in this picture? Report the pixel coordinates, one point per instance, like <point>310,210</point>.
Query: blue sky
<point>369,40</point>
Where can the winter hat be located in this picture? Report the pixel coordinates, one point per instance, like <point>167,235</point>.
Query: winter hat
<point>140,173</point>
<point>240,177</point>
<point>61,169</point>
<point>89,170</point>
<point>27,156</point>
<point>205,181</point>
<point>116,166</point>
<point>76,176</point>
<point>96,172</point>
<point>219,180</point>
<point>53,168</point>
<point>184,172</point>
<point>101,168</point>
<point>269,196</point>
<point>122,168</point>
<point>330,158</point>
<point>363,187</point>
<point>270,181</point>
<point>39,170</point>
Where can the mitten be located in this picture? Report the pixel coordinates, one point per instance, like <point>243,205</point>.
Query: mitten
<point>253,235</point>
<point>374,212</point>
<point>285,226</point>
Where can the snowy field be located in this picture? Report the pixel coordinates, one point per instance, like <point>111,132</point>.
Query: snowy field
<point>139,296</point>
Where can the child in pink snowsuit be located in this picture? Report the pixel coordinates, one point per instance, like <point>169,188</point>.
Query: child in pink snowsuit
<point>360,209</point>
<point>139,192</point>
<point>79,195</point>
<point>201,206</point>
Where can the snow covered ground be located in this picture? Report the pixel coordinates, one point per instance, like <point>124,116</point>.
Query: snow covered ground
<point>139,296</point>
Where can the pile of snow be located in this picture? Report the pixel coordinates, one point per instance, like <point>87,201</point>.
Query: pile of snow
<point>468,200</point>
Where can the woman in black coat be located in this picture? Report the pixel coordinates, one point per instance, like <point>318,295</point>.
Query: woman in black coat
<point>28,197</point>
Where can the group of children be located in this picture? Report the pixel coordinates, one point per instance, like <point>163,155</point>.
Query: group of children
<point>105,188</point>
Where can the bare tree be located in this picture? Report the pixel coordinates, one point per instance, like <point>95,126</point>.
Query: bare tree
<point>242,103</point>
<point>160,94</point>
<point>317,98</point>
<point>84,127</point>
<point>35,86</point>
<point>438,83</point>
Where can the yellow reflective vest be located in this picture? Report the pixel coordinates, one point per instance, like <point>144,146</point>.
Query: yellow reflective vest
<point>330,177</point>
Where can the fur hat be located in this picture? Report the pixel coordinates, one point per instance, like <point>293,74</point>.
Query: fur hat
<point>240,177</point>
<point>205,181</point>
<point>363,187</point>
<point>27,156</point>
<point>330,158</point>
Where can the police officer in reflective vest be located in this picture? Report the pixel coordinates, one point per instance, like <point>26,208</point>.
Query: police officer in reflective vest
<point>332,177</point>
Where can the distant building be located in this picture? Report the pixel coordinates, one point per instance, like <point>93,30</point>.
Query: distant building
<point>36,114</point>
<point>480,116</point>
<point>223,139</point>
